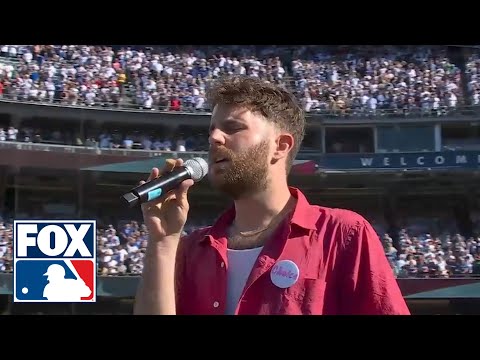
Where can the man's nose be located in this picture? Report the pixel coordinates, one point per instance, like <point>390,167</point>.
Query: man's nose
<point>216,138</point>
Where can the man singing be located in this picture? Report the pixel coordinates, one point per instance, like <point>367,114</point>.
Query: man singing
<point>272,252</point>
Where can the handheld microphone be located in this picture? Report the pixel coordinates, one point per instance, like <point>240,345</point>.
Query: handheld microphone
<point>194,169</point>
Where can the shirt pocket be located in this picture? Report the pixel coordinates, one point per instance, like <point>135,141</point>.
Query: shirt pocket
<point>305,297</point>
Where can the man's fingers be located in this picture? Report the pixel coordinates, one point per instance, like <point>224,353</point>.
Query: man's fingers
<point>181,193</point>
<point>170,196</point>
<point>153,174</point>
<point>169,166</point>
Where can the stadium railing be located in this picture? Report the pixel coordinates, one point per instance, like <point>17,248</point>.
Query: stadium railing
<point>129,105</point>
<point>82,149</point>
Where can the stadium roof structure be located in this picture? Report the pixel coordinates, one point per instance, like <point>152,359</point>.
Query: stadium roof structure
<point>145,166</point>
<point>138,166</point>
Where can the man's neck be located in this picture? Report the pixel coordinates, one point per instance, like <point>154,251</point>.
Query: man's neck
<point>259,210</point>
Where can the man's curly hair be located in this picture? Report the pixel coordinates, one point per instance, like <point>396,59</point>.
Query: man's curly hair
<point>275,103</point>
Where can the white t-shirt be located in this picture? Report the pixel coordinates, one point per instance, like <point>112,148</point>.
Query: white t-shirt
<point>240,263</point>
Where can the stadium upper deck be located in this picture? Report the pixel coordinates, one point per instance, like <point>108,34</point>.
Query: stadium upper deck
<point>347,80</point>
<point>369,81</point>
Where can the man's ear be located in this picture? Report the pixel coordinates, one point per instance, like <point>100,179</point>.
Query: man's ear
<point>283,145</point>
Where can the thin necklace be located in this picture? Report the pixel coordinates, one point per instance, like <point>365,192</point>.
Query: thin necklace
<point>254,232</point>
<point>272,222</point>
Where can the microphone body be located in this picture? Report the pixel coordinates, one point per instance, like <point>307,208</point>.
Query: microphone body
<point>195,169</point>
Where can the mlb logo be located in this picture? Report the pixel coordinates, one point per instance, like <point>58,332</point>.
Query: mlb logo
<point>54,261</point>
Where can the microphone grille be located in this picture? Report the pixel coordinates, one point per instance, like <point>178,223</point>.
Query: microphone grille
<point>198,168</point>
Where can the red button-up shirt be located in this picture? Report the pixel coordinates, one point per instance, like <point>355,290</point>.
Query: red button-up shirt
<point>342,268</point>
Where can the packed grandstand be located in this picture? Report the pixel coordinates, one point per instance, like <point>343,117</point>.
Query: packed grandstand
<point>367,79</point>
<point>338,81</point>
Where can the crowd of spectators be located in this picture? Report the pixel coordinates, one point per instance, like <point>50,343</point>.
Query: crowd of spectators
<point>135,140</point>
<point>144,78</point>
<point>121,249</point>
<point>473,77</point>
<point>432,247</point>
<point>398,80</point>
<point>427,256</point>
<point>345,80</point>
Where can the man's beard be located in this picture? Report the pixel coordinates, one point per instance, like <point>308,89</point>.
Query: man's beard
<point>244,174</point>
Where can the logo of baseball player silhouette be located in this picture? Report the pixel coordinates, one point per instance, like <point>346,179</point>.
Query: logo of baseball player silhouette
<point>55,289</point>
<point>54,261</point>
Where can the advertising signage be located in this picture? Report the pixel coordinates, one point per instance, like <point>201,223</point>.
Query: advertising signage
<point>420,160</point>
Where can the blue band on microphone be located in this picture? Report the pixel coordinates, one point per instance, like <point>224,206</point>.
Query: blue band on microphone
<point>154,194</point>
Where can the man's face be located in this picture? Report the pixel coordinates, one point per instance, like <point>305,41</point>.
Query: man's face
<point>239,156</point>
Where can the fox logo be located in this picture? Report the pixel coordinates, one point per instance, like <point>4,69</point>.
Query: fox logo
<point>54,261</point>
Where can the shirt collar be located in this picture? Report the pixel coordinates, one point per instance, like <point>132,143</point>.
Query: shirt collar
<point>302,216</point>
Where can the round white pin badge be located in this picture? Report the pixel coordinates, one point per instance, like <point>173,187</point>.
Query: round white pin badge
<point>284,273</point>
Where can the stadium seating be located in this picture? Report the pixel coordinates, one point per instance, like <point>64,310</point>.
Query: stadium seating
<point>121,251</point>
<point>354,81</point>
<point>341,81</point>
